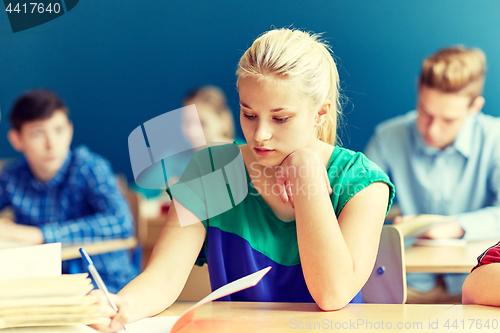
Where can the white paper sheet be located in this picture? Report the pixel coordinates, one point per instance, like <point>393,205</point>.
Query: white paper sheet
<point>31,261</point>
<point>76,328</point>
<point>441,242</point>
<point>152,325</point>
<point>171,324</point>
<point>240,284</point>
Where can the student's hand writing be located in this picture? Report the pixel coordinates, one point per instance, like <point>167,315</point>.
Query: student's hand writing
<point>111,321</point>
<point>303,162</point>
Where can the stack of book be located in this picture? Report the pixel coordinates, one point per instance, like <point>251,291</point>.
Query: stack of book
<point>48,301</point>
<point>35,297</point>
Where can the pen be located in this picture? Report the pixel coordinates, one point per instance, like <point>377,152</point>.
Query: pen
<point>97,278</point>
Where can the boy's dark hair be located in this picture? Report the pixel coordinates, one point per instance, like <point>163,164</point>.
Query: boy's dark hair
<point>37,104</point>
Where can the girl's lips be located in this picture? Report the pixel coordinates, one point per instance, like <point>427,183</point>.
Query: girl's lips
<point>263,151</point>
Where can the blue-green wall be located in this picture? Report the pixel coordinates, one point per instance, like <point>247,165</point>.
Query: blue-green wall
<point>120,63</point>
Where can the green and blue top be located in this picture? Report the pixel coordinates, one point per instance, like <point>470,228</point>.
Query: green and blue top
<point>243,233</point>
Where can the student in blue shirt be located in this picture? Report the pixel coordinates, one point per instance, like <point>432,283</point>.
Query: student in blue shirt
<point>62,195</point>
<point>444,159</point>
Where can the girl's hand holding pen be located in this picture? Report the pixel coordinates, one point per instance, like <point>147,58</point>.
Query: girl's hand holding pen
<point>112,321</point>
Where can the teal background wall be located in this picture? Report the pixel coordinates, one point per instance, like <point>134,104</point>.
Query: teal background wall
<point>120,63</point>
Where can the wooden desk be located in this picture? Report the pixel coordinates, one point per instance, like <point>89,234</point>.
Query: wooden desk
<point>72,252</point>
<point>245,317</point>
<point>445,259</point>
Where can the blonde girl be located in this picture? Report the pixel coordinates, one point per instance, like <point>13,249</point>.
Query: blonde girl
<point>314,211</point>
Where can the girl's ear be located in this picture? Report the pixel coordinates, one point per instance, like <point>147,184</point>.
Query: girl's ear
<point>15,139</point>
<point>323,113</point>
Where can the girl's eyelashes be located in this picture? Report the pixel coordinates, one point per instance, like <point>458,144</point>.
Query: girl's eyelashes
<point>249,116</point>
<point>282,120</point>
<point>279,120</point>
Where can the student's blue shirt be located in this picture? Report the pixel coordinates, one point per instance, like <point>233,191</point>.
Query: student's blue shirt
<point>80,204</point>
<point>463,180</point>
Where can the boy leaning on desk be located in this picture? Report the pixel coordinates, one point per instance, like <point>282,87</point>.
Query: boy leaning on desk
<point>444,159</point>
<point>59,194</point>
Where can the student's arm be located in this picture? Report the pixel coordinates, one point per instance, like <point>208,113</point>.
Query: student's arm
<point>482,286</point>
<point>11,230</point>
<point>24,233</point>
<point>160,284</point>
<point>375,152</point>
<point>111,217</point>
<point>480,224</point>
<point>337,255</point>
<point>4,198</point>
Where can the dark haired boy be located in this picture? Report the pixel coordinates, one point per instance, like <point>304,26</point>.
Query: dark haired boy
<point>62,195</point>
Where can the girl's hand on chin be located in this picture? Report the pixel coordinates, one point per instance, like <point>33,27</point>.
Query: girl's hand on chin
<point>302,163</point>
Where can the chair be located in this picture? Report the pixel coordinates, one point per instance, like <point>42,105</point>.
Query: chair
<point>141,229</point>
<point>387,282</point>
<point>134,200</point>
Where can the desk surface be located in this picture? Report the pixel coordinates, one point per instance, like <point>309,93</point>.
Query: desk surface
<point>244,317</point>
<point>445,259</point>
<point>72,252</point>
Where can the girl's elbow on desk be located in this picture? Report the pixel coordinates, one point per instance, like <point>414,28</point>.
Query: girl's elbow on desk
<point>332,300</point>
<point>326,303</point>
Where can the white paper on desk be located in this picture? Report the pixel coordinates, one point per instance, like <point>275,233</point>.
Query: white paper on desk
<point>173,323</point>
<point>152,325</point>
<point>75,328</point>
<point>440,242</point>
<point>31,262</point>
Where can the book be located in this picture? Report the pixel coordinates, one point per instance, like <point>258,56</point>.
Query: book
<point>48,301</point>
<point>420,224</point>
<point>70,328</point>
<point>34,293</point>
<point>441,242</point>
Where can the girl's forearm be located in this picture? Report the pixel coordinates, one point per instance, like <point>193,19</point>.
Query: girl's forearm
<point>147,295</point>
<point>326,261</point>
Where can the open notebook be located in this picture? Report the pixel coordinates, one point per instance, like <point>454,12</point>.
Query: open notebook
<point>420,224</point>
